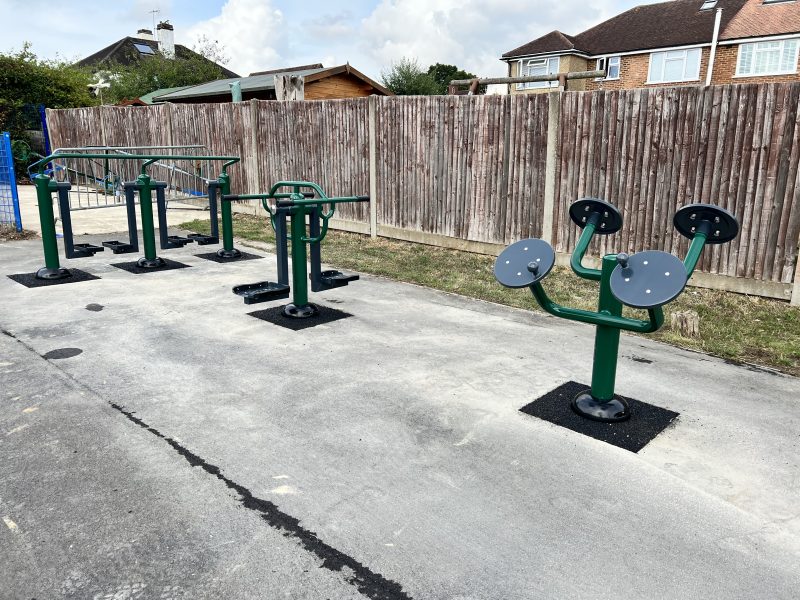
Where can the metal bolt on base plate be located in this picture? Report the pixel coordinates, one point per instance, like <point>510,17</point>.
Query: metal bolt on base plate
<point>609,411</point>
<point>50,274</point>
<point>300,312</point>
<point>150,263</point>
<point>232,253</point>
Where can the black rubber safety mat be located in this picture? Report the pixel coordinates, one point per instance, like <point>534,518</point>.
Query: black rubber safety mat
<point>132,267</point>
<point>213,256</point>
<point>29,279</point>
<point>646,421</point>
<point>275,316</point>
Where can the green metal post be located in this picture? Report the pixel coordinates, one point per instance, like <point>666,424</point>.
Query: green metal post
<point>52,268</point>
<point>149,260</point>
<point>696,248</point>
<point>227,250</point>
<point>300,305</point>
<point>606,341</point>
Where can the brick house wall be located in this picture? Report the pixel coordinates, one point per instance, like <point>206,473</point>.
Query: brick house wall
<point>725,69</point>
<point>566,64</point>
<point>634,70</point>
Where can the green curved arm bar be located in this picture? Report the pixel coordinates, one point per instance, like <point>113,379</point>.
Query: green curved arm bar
<point>585,316</point>
<point>322,232</point>
<point>298,184</point>
<point>580,251</point>
<point>267,208</point>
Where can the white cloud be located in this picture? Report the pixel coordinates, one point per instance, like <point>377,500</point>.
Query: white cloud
<point>328,28</point>
<point>251,31</point>
<point>471,34</point>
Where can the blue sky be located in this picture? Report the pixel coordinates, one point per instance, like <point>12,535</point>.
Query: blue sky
<point>268,34</point>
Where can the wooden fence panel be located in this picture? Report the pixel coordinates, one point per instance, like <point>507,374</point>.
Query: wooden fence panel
<point>225,129</point>
<point>651,151</point>
<point>74,127</point>
<point>464,167</point>
<point>473,167</point>
<point>324,141</point>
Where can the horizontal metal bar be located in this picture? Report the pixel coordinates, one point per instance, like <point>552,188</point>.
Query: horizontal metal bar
<point>80,148</point>
<point>532,78</point>
<point>146,157</point>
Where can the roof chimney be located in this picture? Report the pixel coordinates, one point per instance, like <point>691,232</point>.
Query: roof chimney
<point>166,39</point>
<point>145,34</point>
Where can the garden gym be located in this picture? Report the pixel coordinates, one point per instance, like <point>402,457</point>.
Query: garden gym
<point>236,394</point>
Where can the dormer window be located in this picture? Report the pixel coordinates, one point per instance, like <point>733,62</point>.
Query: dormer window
<point>709,4</point>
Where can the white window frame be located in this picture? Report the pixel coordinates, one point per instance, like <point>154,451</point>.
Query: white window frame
<point>686,76</point>
<point>524,66</point>
<point>604,64</point>
<point>755,45</point>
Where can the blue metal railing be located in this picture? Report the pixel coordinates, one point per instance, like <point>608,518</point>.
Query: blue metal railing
<point>9,199</point>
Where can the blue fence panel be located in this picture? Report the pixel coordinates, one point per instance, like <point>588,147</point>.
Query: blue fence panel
<point>9,199</point>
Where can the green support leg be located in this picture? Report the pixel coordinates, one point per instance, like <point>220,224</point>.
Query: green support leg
<point>52,268</point>
<point>599,403</point>
<point>150,260</point>
<point>227,250</point>
<point>300,307</point>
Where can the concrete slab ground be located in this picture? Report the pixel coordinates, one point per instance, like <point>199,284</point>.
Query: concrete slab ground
<point>156,441</point>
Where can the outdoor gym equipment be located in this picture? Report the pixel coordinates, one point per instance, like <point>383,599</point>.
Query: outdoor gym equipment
<point>145,186</point>
<point>296,205</point>
<point>645,280</point>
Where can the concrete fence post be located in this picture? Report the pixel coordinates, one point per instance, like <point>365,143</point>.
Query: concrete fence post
<point>373,167</point>
<point>168,107</point>
<point>254,181</point>
<point>553,130</point>
<point>101,118</point>
<point>795,299</point>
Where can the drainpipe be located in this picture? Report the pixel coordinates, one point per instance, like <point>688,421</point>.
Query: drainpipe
<point>713,54</point>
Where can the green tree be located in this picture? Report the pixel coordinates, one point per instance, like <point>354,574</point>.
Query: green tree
<point>27,81</point>
<point>157,72</point>
<point>442,75</point>
<point>406,78</point>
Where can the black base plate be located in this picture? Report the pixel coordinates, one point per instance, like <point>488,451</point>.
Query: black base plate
<point>133,267</point>
<point>29,280</point>
<point>118,247</point>
<point>213,257</point>
<point>203,240</point>
<point>276,317</point>
<point>645,423</point>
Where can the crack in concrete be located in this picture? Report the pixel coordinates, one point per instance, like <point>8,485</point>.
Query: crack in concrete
<point>367,582</point>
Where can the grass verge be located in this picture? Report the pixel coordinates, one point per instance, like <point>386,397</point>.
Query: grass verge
<point>732,326</point>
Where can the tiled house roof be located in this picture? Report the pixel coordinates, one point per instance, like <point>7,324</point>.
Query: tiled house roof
<point>554,41</point>
<point>758,19</point>
<point>125,52</point>
<point>663,25</point>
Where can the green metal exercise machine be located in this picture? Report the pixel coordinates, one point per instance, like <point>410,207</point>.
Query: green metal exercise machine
<point>145,186</point>
<point>297,205</point>
<point>645,280</point>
